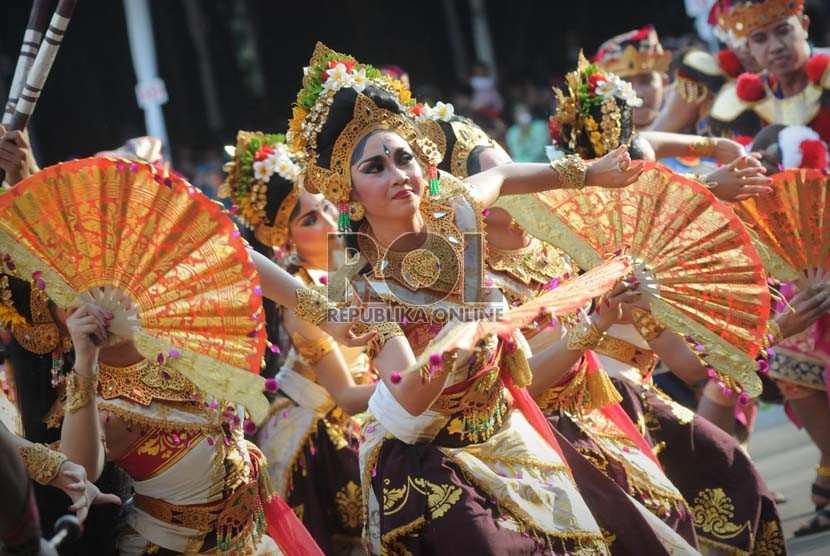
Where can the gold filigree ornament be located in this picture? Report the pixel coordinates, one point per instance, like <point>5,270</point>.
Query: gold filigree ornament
<point>42,463</point>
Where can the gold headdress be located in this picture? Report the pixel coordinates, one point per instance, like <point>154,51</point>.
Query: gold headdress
<point>254,186</point>
<point>735,21</point>
<point>466,135</point>
<point>594,116</point>
<point>329,72</point>
<point>633,53</point>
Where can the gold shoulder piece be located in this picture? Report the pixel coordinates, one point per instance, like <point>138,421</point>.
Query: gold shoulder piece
<point>797,110</point>
<point>727,106</point>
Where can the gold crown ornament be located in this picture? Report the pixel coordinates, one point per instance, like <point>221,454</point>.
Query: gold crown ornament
<point>329,72</point>
<point>256,159</point>
<point>735,21</point>
<point>633,53</point>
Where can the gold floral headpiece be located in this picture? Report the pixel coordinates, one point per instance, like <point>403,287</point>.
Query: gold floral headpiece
<point>329,72</point>
<point>633,53</point>
<point>592,95</point>
<point>735,21</point>
<point>256,158</point>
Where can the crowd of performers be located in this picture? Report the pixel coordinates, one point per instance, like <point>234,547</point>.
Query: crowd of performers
<point>554,439</point>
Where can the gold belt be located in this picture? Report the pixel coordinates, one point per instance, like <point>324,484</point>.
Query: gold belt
<point>201,517</point>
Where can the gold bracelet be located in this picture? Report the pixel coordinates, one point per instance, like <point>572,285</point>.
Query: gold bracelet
<point>583,337</point>
<point>386,331</point>
<point>704,147</point>
<point>646,324</point>
<point>572,170</point>
<point>80,390</point>
<point>774,334</point>
<point>312,306</point>
<point>313,350</point>
<point>823,470</point>
<point>42,463</point>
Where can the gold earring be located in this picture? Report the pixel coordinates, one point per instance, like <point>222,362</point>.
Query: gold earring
<point>356,211</point>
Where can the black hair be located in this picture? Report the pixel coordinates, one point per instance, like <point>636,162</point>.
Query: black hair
<point>341,112</point>
<point>474,159</point>
<point>278,190</point>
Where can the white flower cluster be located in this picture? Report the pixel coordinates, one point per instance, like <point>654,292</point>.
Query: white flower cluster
<point>340,77</point>
<point>441,111</point>
<point>278,162</point>
<point>612,85</point>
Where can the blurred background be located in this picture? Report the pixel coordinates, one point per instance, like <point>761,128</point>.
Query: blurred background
<point>237,64</point>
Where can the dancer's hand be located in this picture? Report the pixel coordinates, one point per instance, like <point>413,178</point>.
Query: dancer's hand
<point>740,179</point>
<point>72,480</point>
<point>16,157</point>
<point>727,150</point>
<point>614,170</point>
<point>610,309</point>
<point>805,308</point>
<point>87,326</point>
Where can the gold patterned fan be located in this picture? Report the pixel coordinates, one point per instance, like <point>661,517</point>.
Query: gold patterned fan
<point>564,299</point>
<point>125,234</point>
<point>792,226</point>
<point>693,257</point>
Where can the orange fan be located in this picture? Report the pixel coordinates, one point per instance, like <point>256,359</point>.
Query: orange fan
<point>562,300</point>
<point>792,226</point>
<point>125,234</point>
<point>695,260</point>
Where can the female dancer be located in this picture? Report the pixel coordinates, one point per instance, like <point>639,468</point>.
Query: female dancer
<point>309,438</point>
<point>454,447</point>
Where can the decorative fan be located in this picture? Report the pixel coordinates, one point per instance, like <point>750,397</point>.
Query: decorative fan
<point>792,226</point>
<point>560,300</point>
<point>693,257</point>
<point>126,234</point>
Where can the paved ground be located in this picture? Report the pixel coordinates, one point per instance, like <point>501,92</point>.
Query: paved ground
<point>787,460</point>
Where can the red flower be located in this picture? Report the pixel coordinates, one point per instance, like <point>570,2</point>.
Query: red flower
<point>555,129</point>
<point>416,110</point>
<point>593,81</point>
<point>348,63</point>
<point>750,87</point>
<point>816,66</point>
<point>814,154</point>
<point>729,62</point>
<point>263,152</point>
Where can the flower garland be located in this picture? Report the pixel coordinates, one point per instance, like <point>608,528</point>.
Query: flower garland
<point>256,158</point>
<point>443,112</point>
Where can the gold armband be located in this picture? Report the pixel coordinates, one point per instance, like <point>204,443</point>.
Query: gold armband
<point>80,390</point>
<point>571,170</point>
<point>386,331</point>
<point>583,337</point>
<point>42,463</point>
<point>313,350</point>
<point>690,91</point>
<point>646,324</point>
<point>704,147</point>
<point>312,306</point>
